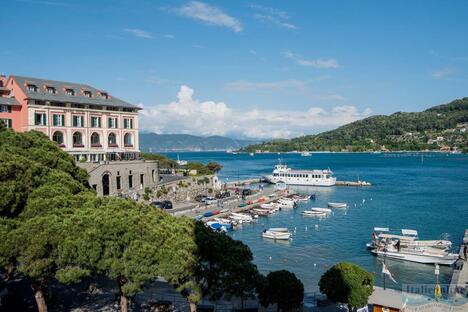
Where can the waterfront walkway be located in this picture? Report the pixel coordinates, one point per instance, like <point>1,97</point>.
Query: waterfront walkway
<point>459,283</point>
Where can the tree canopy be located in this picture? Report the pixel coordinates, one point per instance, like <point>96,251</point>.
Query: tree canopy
<point>282,288</point>
<point>347,283</point>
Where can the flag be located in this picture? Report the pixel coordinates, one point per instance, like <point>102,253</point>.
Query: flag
<point>386,271</point>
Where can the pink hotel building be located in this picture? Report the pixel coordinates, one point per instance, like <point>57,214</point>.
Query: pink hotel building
<point>98,129</point>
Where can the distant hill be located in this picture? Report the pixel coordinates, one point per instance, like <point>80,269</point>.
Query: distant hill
<point>441,127</point>
<point>185,142</point>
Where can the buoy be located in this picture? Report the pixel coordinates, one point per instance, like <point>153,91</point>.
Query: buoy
<point>306,228</point>
<point>270,257</point>
<point>316,226</point>
<point>315,265</point>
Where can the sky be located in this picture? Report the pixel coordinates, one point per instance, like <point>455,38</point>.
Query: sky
<point>259,69</point>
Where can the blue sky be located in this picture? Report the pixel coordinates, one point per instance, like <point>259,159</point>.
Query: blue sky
<point>246,68</point>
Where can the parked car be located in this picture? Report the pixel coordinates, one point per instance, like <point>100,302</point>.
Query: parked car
<point>224,194</point>
<point>210,200</point>
<point>200,198</point>
<point>246,192</point>
<point>166,204</point>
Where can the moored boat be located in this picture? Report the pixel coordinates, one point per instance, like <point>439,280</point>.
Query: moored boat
<point>314,213</point>
<point>283,174</point>
<point>277,234</point>
<point>326,210</point>
<point>338,205</point>
<point>425,255</point>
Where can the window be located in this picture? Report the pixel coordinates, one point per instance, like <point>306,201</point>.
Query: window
<point>5,109</point>
<point>32,88</point>
<point>87,93</point>
<point>40,119</point>
<point>95,122</point>
<point>51,90</point>
<point>130,181</point>
<point>77,139</point>
<point>128,123</point>
<point>112,140</point>
<point>128,139</point>
<point>95,139</point>
<point>6,122</point>
<point>112,122</point>
<point>70,92</point>
<point>118,183</point>
<point>78,121</point>
<point>142,180</point>
<point>57,137</point>
<point>58,120</point>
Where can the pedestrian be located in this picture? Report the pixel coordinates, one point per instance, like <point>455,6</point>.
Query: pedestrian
<point>465,251</point>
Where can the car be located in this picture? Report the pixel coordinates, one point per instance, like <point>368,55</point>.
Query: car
<point>246,192</point>
<point>200,198</point>
<point>210,200</point>
<point>224,194</point>
<point>166,204</point>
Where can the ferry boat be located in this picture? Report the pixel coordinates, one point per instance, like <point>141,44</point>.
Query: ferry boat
<point>282,173</point>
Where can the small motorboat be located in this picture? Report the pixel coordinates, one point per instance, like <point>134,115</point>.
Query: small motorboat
<point>338,205</point>
<point>241,217</point>
<point>262,212</point>
<point>277,234</point>
<point>269,206</point>
<point>302,198</point>
<point>314,213</point>
<point>326,210</point>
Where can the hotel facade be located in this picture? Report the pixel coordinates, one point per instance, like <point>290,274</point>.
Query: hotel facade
<point>98,129</point>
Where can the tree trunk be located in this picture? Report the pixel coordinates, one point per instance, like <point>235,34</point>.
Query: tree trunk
<point>40,300</point>
<point>123,303</point>
<point>193,307</point>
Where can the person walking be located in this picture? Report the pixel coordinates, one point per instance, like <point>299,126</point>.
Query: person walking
<point>465,251</point>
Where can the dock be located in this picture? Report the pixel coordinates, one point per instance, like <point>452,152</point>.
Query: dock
<point>459,282</point>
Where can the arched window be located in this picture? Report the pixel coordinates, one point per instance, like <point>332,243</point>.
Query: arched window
<point>128,139</point>
<point>77,139</point>
<point>95,139</point>
<point>112,139</point>
<point>57,137</point>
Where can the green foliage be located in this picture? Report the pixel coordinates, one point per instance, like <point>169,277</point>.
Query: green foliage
<point>347,283</point>
<point>282,288</point>
<point>399,131</point>
<point>225,265</point>
<point>29,160</point>
<point>214,166</point>
<point>164,162</point>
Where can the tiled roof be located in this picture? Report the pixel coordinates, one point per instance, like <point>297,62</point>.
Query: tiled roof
<point>62,96</point>
<point>9,101</point>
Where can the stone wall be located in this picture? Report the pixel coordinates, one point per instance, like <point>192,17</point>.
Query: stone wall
<point>122,177</point>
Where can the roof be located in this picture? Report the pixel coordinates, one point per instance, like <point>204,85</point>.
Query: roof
<point>389,298</point>
<point>9,101</point>
<point>62,96</point>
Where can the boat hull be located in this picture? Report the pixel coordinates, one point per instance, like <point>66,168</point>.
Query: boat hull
<point>418,258</point>
<point>301,181</point>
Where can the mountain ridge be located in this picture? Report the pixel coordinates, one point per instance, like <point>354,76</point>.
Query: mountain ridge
<point>153,142</point>
<point>441,127</point>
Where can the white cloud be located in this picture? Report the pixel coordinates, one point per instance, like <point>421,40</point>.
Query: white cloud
<point>318,63</point>
<point>189,115</point>
<point>272,16</point>
<point>208,14</point>
<point>139,33</point>
<point>443,73</point>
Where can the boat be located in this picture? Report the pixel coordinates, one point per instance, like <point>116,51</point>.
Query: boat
<point>286,203</point>
<point>219,226</point>
<point>425,255</point>
<point>277,234</point>
<point>269,206</point>
<point>306,154</point>
<point>283,174</point>
<point>262,212</point>
<point>241,217</point>
<point>251,154</point>
<point>302,197</point>
<point>407,238</point>
<point>181,162</point>
<point>326,210</point>
<point>314,213</point>
<point>338,205</point>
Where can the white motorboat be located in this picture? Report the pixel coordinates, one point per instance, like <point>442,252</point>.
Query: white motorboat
<point>269,206</point>
<point>262,212</point>
<point>408,238</point>
<point>286,175</point>
<point>426,255</point>
<point>314,213</point>
<point>326,210</point>
<point>285,205</point>
<point>338,205</point>
<point>302,198</point>
<point>306,154</point>
<point>277,234</point>
<point>241,217</point>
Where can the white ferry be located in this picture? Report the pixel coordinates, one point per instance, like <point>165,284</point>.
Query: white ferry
<point>282,173</point>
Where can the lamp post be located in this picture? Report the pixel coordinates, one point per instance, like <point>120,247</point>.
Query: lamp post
<point>437,290</point>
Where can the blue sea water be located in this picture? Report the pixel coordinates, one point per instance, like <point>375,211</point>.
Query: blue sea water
<point>427,192</point>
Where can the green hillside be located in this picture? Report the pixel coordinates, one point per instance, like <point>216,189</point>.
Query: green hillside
<point>440,127</point>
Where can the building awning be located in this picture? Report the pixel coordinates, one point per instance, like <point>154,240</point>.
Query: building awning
<point>389,298</point>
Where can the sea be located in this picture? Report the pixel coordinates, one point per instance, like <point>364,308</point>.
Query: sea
<point>427,192</point>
